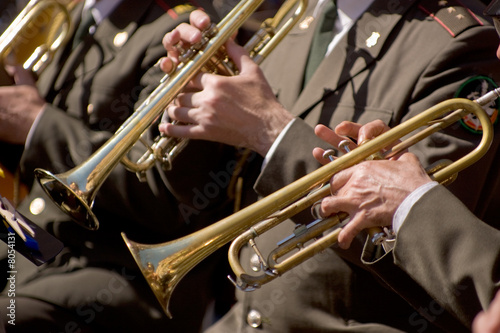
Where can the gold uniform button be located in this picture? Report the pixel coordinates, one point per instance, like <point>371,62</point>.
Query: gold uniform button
<point>120,39</point>
<point>37,206</point>
<point>90,109</point>
<point>254,318</point>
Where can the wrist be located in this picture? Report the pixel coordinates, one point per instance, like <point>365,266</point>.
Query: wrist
<point>279,121</point>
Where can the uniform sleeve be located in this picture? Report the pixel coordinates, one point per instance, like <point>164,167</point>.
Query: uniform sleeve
<point>448,251</point>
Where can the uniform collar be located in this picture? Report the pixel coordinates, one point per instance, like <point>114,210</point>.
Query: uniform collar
<point>493,10</point>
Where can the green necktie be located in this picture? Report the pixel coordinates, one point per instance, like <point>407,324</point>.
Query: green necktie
<point>83,28</point>
<point>323,35</point>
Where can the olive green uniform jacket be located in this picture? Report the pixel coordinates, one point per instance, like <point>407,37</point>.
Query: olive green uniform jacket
<point>466,277</point>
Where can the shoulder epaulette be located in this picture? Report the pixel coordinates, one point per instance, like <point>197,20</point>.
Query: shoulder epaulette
<point>452,15</point>
<point>178,9</point>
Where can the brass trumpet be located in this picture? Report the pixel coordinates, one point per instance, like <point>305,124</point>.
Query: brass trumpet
<point>164,265</point>
<point>74,191</point>
<point>36,33</point>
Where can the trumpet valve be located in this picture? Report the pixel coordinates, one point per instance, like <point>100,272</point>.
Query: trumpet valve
<point>329,154</point>
<point>187,54</point>
<point>344,145</point>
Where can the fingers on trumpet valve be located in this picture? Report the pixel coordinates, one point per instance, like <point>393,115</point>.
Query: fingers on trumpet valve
<point>345,146</point>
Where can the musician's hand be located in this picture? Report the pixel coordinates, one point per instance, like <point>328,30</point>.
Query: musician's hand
<point>361,133</point>
<point>347,129</point>
<point>371,192</point>
<point>239,110</point>
<point>488,321</point>
<point>19,107</point>
<point>183,35</point>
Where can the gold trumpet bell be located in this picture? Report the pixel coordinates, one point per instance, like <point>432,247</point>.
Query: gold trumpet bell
<point>149,257</point>
<point>69,196</point>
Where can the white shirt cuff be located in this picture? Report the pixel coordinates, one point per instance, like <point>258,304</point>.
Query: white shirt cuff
<point>275,143</point>
<point>407,204</point>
